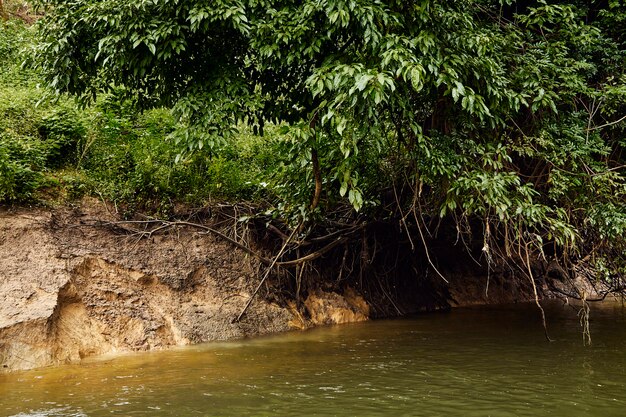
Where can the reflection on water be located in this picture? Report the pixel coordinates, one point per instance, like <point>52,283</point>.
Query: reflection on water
<point>470,362</point>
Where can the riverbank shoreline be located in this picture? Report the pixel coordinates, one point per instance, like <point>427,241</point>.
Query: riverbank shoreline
<point>74,285</point>
<point>72,288</point>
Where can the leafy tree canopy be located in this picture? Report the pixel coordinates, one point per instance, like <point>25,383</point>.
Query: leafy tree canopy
<point>510,112</point>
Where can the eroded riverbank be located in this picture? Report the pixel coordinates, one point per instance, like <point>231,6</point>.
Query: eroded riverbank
<point>69,290</point>
<point>73,284</point>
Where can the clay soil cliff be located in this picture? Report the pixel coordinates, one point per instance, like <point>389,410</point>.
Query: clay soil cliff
<point>69,289</point>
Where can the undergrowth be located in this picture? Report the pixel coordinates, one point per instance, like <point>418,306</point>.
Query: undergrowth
<point>53,151</point>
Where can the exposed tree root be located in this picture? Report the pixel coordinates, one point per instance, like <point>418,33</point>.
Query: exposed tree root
<point>583,315</point>
<point>162,225</point>
<point>532,281</point>
<point>376,258</point>
<point>267,273</point>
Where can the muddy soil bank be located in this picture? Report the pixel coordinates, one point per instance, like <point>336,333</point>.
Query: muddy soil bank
<point>70,289</point>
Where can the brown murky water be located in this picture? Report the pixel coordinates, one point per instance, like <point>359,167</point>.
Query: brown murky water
<point>469,362</point>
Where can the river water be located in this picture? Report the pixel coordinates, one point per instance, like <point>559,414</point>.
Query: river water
<point>490,361</point>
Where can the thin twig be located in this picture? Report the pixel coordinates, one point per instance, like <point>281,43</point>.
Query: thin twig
<point>608,124</point>
<point>267,273</point>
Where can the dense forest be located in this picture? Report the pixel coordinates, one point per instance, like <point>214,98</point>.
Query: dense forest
<point>373,134</point>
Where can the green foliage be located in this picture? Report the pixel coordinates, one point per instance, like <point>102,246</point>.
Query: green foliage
<point>16,38</point>
<point>36,135</point>
<point>133,158</point>
<point>62,131</point>
<point>52,149</point>
<point>32,144</point>
<point>10,34</point>
<point>19,173</point>
<point>505,111</point>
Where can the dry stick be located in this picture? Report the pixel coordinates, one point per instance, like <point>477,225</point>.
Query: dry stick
<point>532,281</point>
<point>267,273</point>
<point>592,112</point>
<point>608,124</point>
